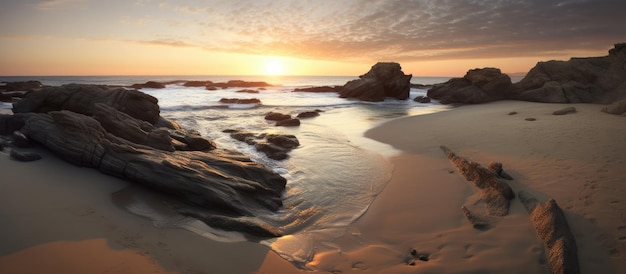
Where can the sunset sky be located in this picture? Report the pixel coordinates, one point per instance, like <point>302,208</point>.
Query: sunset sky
<point>306,37</point>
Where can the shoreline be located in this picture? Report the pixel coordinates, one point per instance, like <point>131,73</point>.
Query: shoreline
<point>573,158</point>
<point>62,217</point>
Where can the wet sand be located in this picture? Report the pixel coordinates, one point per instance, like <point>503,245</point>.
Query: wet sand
<point>577,159</point>
<point>54,211</point>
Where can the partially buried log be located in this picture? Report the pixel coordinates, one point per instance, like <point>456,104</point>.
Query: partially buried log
<point>552,227</point>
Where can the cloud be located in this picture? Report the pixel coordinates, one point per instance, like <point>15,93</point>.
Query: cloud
<point>56,4</point>
<point>411,30</point>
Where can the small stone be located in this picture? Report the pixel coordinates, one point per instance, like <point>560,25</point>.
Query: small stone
<point>530,119</point>
<point>288,123</point>
<point>308,114</point>
<point>277,116</point>
<point>422,99</point>
<point>564,111</point>
<point>512,112</point>
<point>24,156</point>
<point>423,257</point>
<point>413,252</point>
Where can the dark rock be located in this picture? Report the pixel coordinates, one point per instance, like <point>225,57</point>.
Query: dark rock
<point>308,114</point>
<point>288,123</point>
<point>579,80</point>
<point>477,86</point>
<point>11,123</point>
<point>530,119</point>
<point>495,193</point>
<point>564,111</point>
<point>5,98</point>
<point>513,113</point>
<point>240,101</point>
<point>197,83</point>
<point>83,98</point>
<point>321,89</point>
<point>253,91</point>
<point>422,99</point>
<point>275,146</point>
<point>552,227</point>
<point>22,86</point>
<point>149,84</point>
<point>283,140</point>
<point>23,156</point>
<point>224,182</point>
<point>20,140</point>
<point>277,116</point>
<point>211,88</point>
<point>617,108</point>
<point>383,80</point>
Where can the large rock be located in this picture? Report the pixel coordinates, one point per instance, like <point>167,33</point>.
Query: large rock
<point>382,81</point>
<point>552,227</point>
<point>225,183</point>
<point>83,98</point>
<point>579,80</point>
<point>477,86</point>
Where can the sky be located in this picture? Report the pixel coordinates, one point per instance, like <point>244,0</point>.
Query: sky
<point>305,37</point>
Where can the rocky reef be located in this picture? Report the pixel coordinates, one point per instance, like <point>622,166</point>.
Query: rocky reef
<point>120,132</point>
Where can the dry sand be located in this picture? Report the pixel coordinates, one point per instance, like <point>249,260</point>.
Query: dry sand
<point>58,218</point>
<point>577,159</point>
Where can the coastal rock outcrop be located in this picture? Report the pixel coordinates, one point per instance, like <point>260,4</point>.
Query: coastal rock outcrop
<point>223,188</point>
<point>578,80</point>
<point>321,89</point>
<point>382,81</point>
<point>477,86</point>
<point>552,227</point>
<point>21,86</point>
<point>83,98</point>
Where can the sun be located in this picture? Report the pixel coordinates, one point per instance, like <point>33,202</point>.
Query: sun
<point>274,67</point>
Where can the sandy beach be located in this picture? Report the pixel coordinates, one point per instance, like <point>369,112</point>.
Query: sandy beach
<point>62,217</point>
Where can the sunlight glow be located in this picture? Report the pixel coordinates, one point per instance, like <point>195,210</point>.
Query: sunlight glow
<point>274,67</point>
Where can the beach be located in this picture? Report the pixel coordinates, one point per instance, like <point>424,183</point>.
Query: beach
<point>60,218</point>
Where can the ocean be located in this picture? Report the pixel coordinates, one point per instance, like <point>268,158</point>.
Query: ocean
<point>333,176</point>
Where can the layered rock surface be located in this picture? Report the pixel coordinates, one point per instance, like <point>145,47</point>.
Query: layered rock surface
<point>103,128</point>
<point>578,80</point>
<point>382,81</point>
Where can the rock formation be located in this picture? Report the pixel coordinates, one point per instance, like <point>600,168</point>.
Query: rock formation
<point>275,146</point>
<point>552,227</point>
<point>83,98</point>
<point>240,101</point>
<point>579,80</point>
<point>495,193</point>
<point>382,81</point>
<point>120,133</point>
<point>477,86</point>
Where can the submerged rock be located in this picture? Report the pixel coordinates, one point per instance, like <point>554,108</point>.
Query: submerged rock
<point>288,123</point>
<point>321,89</point>
<point>382,81</point>
<point>276,116</point>
<point>240,101</point>
<point>275,146</point>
